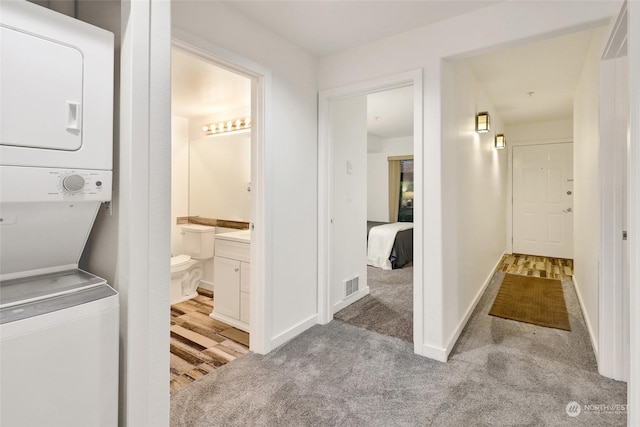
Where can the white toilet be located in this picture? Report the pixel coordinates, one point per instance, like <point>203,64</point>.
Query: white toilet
<point>187,269</point>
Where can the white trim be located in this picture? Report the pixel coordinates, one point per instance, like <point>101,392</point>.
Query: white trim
<point>260,179</point>
<point>463,322</point>
<point>414,78</point>
<point>351,299</point>
<point>143,271</point>
<point>592,334</point>
<point>435,353</point>
<point>633,393</point>
<point>204,284</point>
<point>612,161</point>
<point>509,207</point>
<point>293,332</point>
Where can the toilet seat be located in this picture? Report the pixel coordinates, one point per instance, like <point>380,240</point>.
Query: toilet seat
<point>179,260</point>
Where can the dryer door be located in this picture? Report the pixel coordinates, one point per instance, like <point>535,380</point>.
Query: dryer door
<point>41,86</point>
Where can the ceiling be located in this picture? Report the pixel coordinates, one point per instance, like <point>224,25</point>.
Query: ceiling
<point>199,88</point>
<point>326,27</point>
<point>390,113</point>
<point>549,68</point>
<point>534,82</point>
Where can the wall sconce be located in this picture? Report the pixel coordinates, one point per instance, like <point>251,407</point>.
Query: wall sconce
<point>483,122</point>
<point>227,126</point>
<point>501,141</point>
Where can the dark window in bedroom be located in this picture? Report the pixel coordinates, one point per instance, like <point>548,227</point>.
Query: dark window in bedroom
<point>405,211</point>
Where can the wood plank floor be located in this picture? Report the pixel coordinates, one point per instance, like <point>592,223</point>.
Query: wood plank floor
<point>537,266</point>
<point>200,344</point>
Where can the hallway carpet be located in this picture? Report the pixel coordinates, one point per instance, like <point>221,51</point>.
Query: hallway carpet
<point>388,309</point>
<point>501,373</point>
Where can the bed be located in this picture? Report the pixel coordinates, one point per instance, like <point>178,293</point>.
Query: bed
<point>402,250</point>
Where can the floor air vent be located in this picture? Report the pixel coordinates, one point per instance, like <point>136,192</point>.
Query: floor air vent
<point>351,286</point>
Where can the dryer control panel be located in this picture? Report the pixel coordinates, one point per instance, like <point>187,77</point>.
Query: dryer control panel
<point>27,184</point>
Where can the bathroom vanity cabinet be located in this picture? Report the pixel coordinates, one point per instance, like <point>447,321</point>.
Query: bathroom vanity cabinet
<point>232,279</point>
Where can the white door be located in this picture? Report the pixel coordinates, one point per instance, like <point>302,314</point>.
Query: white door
<point>543,200</point>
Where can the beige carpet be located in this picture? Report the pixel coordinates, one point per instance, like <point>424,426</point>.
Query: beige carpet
<point>532,300</point>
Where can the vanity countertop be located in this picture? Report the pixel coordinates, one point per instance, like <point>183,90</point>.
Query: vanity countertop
<point>242,236</point>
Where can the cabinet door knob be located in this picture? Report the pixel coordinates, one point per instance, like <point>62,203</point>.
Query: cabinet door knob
<point>236,270</point>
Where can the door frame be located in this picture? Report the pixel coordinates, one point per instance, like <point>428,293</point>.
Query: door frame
<point>509,207</point>
<point>325,171</point>
<point>260,103</point>
<point>633,396</point>
<point>613,158</point>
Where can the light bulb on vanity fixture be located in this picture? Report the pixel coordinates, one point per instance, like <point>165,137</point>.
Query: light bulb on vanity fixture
<point>227,126</point>
<point>483,122</point>
<point>500,141</point>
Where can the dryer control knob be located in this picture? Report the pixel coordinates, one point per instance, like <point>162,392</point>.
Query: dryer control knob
<point>73,183</point>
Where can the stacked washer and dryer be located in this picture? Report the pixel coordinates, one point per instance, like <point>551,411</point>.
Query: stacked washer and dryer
<point>58,323</point>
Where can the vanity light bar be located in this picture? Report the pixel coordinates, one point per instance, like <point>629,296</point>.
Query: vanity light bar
<point>227,126</point>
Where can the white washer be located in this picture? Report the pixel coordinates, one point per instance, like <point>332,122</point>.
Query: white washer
<point>59,351</point>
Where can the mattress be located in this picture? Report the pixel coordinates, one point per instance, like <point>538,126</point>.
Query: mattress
<point>402,251</point>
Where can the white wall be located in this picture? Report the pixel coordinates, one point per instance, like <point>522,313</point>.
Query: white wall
<point>348,117</point>
<point>474,178</point>
<point>219,174</point>
<point>586,184</point>
<point>378,173</point>
<point>131,248</point>
<point>179,178</point>
<point>463,35</point>
<point>554,130</point>
<point>290,158</point>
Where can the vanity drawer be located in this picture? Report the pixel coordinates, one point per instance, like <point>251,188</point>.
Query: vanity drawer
<point>233,250</point>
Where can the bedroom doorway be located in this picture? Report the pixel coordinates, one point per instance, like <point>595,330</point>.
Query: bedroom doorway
<point>387,185</point>
<point>358,186</point>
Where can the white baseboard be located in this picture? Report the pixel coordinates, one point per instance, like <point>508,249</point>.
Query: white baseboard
<point>292,332</point>
<point>351,299</point>
<point>206,285</point>
<point>592,335</point>
<point>435,353</point>
<point>456,334</point>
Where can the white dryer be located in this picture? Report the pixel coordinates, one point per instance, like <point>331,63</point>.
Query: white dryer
<point>56,136</point>
<point>56,89</point>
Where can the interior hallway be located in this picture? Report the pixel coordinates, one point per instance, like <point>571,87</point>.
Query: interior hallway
<point>500,372</point>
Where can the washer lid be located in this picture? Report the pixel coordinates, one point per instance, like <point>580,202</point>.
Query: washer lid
<point>25,289</point>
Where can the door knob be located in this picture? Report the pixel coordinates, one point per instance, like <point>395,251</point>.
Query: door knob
<point>567,210</point>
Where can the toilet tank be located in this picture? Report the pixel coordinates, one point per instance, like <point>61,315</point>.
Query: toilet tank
<point>197,240</point>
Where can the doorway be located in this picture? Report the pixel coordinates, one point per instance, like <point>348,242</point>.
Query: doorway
<point>372,137</point>
<point>218,184</point>
<point>328,285</point>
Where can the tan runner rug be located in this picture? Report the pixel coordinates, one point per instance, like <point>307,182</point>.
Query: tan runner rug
<point>532,300</point>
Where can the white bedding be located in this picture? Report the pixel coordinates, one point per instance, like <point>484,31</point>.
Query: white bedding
<point>380,244</point>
